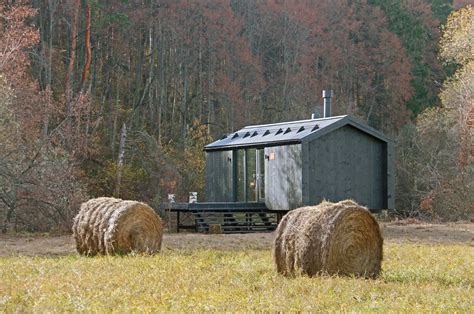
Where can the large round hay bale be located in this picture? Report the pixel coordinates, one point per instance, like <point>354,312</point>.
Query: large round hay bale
<point>331,238</point>
<point>110,226</point>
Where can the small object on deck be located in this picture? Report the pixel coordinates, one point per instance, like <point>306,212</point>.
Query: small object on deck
<point>215,229</point>
<point>193,197</point>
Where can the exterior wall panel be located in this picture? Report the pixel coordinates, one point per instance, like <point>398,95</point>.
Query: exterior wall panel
<point>390,175</point>
<point>283,177</point>
<point>346,163</point>
<point>219,176</point>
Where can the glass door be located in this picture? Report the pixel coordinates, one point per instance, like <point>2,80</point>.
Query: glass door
<point>260,174</point>
<point>249,175</point>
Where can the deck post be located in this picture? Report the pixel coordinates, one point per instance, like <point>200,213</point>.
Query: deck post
<point>177,222</point>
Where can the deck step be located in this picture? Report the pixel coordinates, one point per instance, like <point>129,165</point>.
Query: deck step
<point>236,222</point>
<point>226,217</point>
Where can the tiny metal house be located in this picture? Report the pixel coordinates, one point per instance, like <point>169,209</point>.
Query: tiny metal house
<point>293,164</point>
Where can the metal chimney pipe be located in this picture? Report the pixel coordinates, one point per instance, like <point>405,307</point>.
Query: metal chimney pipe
<point>327,94</point>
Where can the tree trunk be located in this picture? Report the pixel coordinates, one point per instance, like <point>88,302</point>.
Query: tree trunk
<point>87,65</point>
<point>161,65</point>
<point>72,59</point>
<point>121,157</point>
<point>185,103</point>
<point>115,115</point>
<point>151,64</point>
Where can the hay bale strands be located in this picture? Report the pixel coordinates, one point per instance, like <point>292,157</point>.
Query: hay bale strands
<point>331,238</point>
<point>109,226</point>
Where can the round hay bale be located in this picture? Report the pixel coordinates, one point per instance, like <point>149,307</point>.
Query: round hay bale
<point>111,226</point>
<point>332,238</point>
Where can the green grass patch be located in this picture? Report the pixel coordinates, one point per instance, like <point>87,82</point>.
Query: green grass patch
<point>415,277</point>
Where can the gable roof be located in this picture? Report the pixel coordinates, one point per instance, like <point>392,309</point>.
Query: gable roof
<point>292,132</point>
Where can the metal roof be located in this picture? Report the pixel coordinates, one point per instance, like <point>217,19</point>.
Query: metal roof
<point>288,132</point>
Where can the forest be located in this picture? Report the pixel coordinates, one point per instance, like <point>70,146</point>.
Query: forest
<point>118,97</point>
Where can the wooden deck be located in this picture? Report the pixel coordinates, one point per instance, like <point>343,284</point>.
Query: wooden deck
<point>228,217</point>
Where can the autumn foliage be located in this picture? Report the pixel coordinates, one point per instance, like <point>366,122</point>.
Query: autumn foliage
<point>436,171</point>
<point>177,74</point>
<point>38,186</point>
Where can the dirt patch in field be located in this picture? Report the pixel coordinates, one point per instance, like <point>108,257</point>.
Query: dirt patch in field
<point>43,245</point>
<point>393,232</point>
<point>435,233</point>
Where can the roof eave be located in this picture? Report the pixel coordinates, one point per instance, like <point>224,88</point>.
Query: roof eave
<point>261,144</point>
<point>347,120</point>
<point>370,130</point>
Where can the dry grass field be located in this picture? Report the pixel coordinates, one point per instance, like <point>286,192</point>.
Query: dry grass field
<point>426,268</point>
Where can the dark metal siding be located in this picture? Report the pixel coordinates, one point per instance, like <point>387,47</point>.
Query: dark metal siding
<point>346,163</point>
<point>219,176</point>
<point>390,175</point>
<point>283,177</point>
